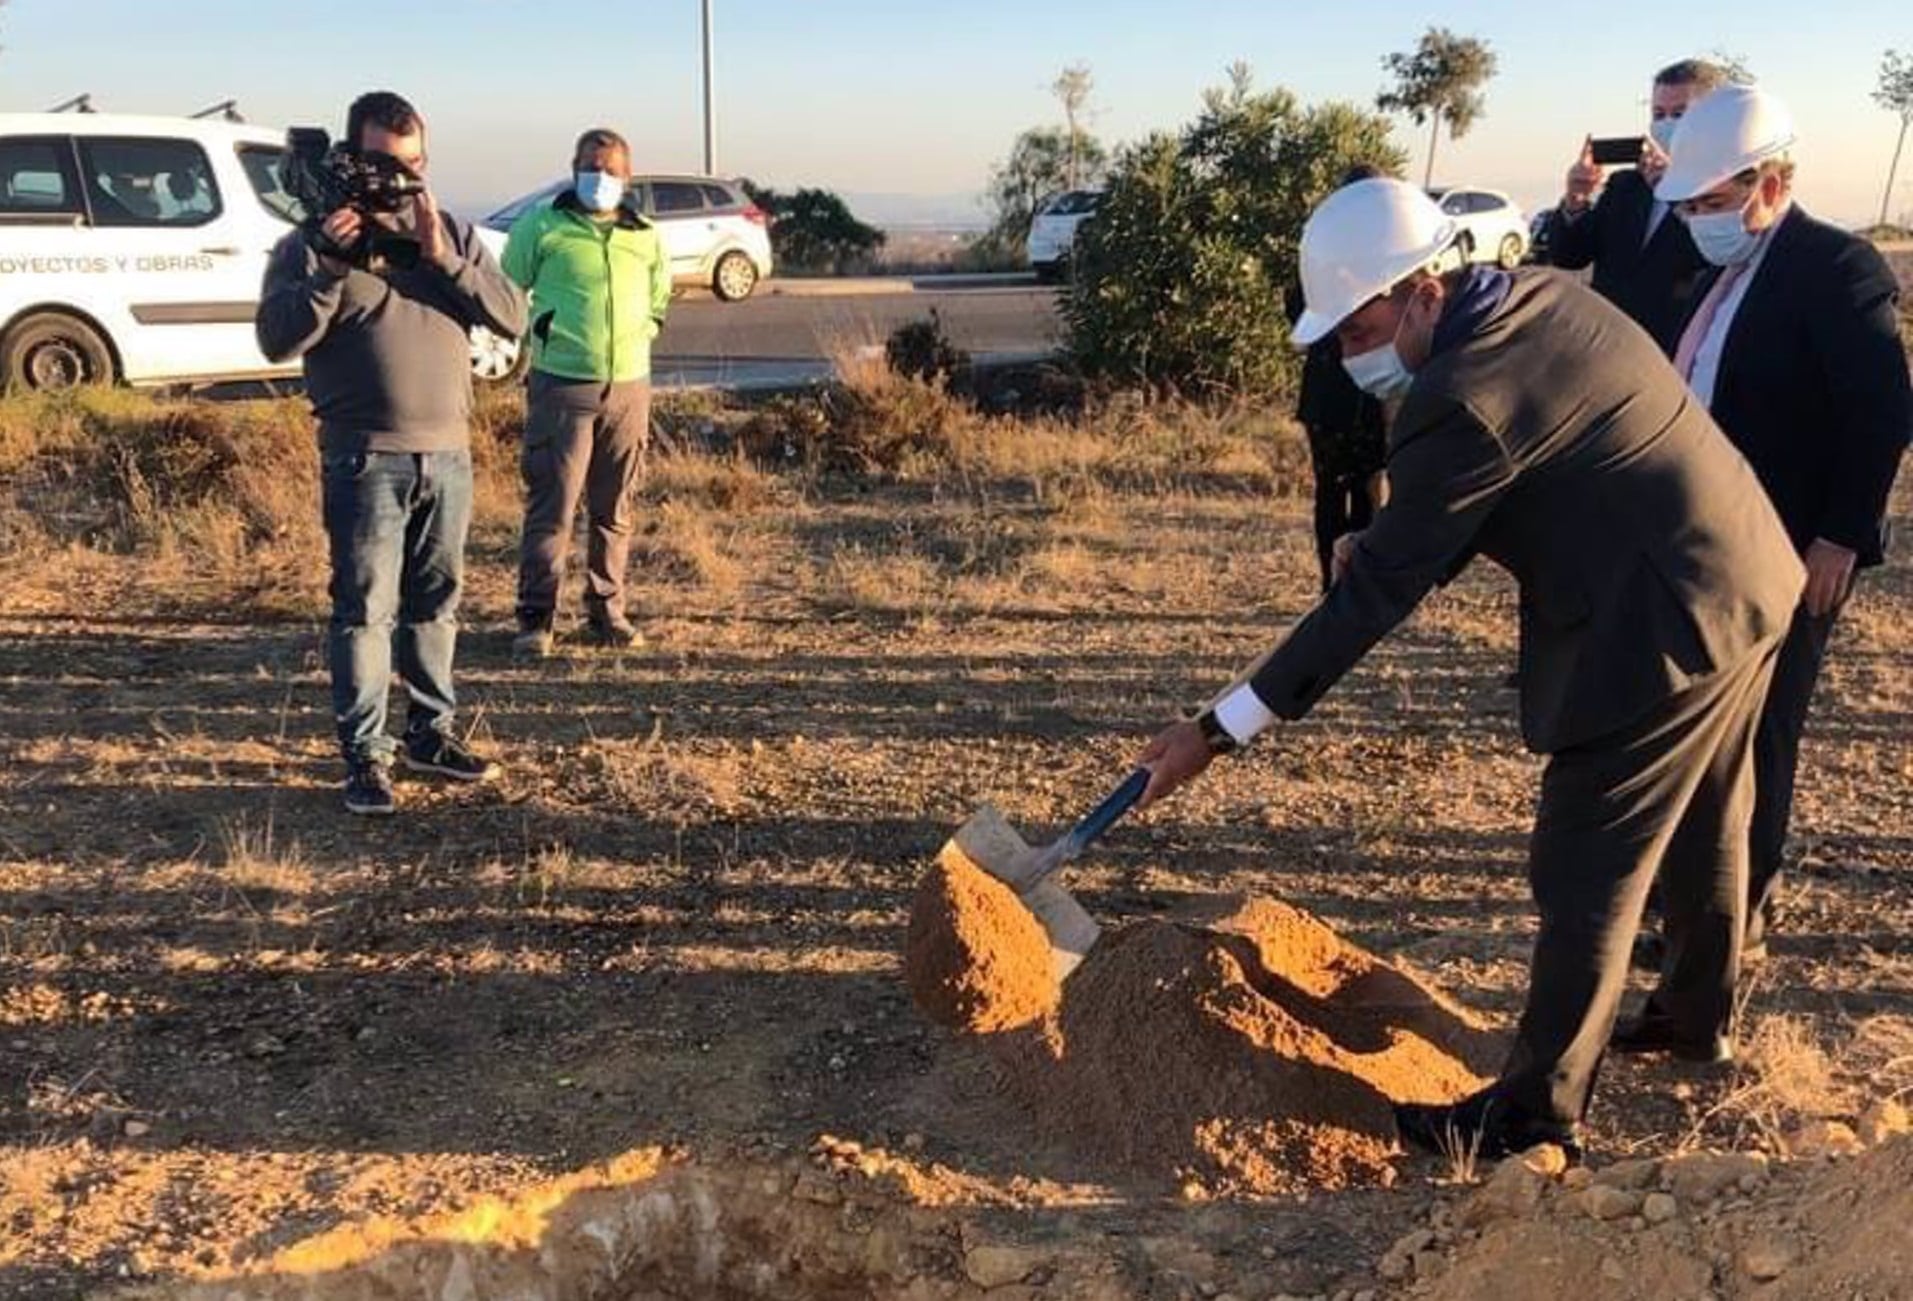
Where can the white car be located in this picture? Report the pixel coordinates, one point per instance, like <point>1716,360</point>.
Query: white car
<point>133,250</point>
<point>1493,229</point>
<point>715,236</point>
<point>1053,231</point>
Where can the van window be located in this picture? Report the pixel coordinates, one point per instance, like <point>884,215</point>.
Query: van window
<point>142,182</point>
<point>262,169</point>
<point>36,178</point>
<point>676,196</point>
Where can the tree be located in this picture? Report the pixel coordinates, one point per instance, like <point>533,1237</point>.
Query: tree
<point>1738,71</point>
<point>814,230</point>
<point>1895,95</point>
<point>1179,280</point>
<point>1439,82</point>
<point>1072,87</point>
<point>1037,168</point>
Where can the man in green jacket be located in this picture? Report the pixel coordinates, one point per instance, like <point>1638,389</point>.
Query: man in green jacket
<point>600,282</point>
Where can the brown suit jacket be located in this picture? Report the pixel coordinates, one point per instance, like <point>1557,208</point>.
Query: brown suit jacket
<point>1559,442</point>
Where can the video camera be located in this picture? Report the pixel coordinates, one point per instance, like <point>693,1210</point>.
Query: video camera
<point>325,177</point>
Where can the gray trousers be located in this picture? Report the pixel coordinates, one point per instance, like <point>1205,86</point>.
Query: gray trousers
<point>1672,792</point>
<point>584,442</point>
<point>1777,757</point>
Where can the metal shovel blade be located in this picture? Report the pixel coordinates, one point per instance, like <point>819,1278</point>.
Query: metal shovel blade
<point>991,844</point>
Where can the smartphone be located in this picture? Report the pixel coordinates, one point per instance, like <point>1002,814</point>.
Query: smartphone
<point>1618,151</point>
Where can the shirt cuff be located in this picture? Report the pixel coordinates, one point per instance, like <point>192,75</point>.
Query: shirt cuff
<point>1243,715</point>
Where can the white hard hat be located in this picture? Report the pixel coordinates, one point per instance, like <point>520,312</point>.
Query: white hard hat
<point>1361,242</point>
<point>1721,136</point>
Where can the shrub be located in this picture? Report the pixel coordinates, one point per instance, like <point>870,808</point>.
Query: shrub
<point>923,350</point>
<point>1179,280</point>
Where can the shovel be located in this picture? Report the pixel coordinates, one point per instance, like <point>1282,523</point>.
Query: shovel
<point>992,844</point>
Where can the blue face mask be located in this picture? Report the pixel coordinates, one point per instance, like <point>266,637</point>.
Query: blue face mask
<point>1662,129</point>
<point>598,191</point>
<point>1380,372</point>
<point>1723,237</point>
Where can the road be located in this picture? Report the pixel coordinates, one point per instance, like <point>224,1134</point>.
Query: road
<point>773,339</point>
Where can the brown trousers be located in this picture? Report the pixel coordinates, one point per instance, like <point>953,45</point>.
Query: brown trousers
<point>584,442</point>
<point>1672,792</point>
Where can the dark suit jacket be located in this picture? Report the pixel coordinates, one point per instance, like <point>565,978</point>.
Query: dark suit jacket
<point>1813,384</point>
<point>1558,442</point>
<point>1653,281</point>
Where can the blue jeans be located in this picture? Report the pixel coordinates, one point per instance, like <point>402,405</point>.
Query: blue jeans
<point>396,522</point>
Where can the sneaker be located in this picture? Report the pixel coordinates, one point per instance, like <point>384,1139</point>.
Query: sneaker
<point>615,633</point>
<point>535,640</point>
<point>368,790</point>
<point>444,756</point>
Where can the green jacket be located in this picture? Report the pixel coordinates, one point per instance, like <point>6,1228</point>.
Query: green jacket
<point>599,289</point>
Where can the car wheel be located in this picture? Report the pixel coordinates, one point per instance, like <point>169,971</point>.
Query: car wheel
<point>51,351</point>
<point>497,359</point>
<point>1511,251</point>
<point>1051,273</point>
<point>734,277</point>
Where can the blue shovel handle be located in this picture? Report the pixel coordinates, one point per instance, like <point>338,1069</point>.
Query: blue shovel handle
<point>1104,815</point>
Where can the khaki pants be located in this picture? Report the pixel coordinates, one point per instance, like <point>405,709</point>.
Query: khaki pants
<point>1672,792</point>
<point>584,442</point>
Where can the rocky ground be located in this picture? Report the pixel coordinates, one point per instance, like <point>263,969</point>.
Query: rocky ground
<point>231,1018</point>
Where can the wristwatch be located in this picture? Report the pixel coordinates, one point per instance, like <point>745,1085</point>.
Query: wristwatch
<point>1213,732</point>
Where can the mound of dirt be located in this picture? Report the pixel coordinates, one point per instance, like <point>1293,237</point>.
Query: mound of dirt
<point>1729,1225</point>
<point>1252,1051</point>
<point>975,958</point>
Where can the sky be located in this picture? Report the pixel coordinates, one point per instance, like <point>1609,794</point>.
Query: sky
<point>903,105</point>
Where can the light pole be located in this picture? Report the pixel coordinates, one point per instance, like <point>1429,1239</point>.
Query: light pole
<point>710,106</point>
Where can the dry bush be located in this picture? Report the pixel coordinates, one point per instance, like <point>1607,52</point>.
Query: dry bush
<point>202,492</point>
<point>680,543</point>
<point>254,860</point>
<point>876,423</point>
<point>1784,1076</point>
<point>733,483</point>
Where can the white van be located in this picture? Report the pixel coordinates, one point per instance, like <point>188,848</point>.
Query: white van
<point>132,249</point>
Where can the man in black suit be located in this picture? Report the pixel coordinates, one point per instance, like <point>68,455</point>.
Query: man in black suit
<point>1346,432</point>
<point>1643,260</point>
<point>1656,583</point>
<point>1794,347</point>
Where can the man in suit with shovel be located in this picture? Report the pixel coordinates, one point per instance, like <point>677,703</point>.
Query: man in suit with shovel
<point>1541,428</point>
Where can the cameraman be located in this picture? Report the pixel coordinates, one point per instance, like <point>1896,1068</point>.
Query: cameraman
<point>387,367</point>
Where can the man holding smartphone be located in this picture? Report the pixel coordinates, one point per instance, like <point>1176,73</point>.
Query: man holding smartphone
<point>1644,261</point>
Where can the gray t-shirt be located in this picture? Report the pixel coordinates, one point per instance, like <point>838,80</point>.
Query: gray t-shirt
<point>387,356</point>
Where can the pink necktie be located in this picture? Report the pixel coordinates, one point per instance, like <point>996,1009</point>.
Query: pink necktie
<point>1696,331</point>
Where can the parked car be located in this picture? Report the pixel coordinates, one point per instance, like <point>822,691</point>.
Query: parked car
<point>1492,227</point>
<point>1053,232</point>
<point>716,237</point>
<point>133,249</point>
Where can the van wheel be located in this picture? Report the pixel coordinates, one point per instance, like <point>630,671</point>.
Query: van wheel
<point>497,359</point>
<point>50,351</point>
<point>734,277</point>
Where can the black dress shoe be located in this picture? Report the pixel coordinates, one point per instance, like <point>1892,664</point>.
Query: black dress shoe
<point>1651,1032</point>
<point>1483,1125</point>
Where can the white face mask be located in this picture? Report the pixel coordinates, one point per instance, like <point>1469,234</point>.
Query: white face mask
<point>1723,237</point>
<point>1380,372</point>
<point>598,191</point>
<point>1662,129</point>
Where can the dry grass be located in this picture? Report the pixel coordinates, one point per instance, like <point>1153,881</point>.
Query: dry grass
<point>254,860</point>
